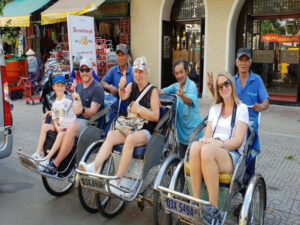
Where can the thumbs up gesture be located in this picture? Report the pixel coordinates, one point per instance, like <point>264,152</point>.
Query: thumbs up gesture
<point>123,81</point>
<point>77,104</point>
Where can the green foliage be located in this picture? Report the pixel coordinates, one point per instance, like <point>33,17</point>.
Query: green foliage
<point>290,157</point>
<point>272,26</point>
<point>2,5</point>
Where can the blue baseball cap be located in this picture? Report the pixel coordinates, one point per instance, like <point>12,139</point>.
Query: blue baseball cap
<point>59,79</point>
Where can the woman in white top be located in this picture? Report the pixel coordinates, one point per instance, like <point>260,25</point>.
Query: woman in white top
<point>220,148</point>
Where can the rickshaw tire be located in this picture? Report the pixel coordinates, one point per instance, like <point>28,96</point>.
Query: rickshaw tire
<point>82,201</point>
<point>53,192</point>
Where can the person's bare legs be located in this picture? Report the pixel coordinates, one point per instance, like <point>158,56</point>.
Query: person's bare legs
<point>67,142</point>
<point>195,168</point>
<point>56,145</point>
<point>43,134</point>
<point>136,139</point>
<point>214,160</point>
<point>114,137</point>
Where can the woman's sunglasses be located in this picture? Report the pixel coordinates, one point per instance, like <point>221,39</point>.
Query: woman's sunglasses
<point>227,83</point>
<point>86,70</point>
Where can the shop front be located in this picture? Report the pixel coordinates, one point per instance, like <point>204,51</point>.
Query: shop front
<point>271,29</point>
<point>111,24</point>
<point>183,38</point>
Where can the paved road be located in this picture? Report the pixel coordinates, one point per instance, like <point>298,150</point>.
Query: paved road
<point>24,201</point>
<point>23,198</point>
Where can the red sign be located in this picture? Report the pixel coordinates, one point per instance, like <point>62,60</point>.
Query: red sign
<point>279,38</point>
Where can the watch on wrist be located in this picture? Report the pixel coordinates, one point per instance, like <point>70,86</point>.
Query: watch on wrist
<point>262,106</point>
<point>83,111</point>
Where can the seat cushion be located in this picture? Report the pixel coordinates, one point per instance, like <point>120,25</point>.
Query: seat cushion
<point>224,178</point>
<point>137,152</point>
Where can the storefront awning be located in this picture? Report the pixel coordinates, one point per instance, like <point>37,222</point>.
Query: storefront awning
<point>17,13</point>
<point>59,11</point>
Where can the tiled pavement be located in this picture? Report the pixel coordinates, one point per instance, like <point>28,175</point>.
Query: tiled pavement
<point>279,137</point>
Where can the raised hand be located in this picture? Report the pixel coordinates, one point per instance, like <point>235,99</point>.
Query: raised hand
<point>123,81</point>
<point>77,104</point>
<point>210,80</point>
<point>180,90</point>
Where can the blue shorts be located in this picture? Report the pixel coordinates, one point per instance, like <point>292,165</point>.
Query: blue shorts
<point>147,134</point>
<point>235,156</point>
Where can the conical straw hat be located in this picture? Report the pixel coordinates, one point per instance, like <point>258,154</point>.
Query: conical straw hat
<point>30,52</point>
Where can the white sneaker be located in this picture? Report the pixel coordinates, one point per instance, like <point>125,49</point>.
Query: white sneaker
<point>37,156</point>
<point>114,190</point>
<point>87,167</point>
<point>43,164</point>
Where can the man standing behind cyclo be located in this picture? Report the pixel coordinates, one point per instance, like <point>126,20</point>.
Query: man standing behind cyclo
<point>110,81</point>
<point>188,115</point>
<point>249,86</point>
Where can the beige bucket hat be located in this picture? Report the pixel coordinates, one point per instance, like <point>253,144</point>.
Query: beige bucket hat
<point>30,52</point>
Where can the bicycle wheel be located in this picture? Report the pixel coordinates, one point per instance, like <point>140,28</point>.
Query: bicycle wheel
<point>109,206</point>
<point>256,212</point>
<point>87,196</point>
<point>58,187</point>
<point>159,215</point>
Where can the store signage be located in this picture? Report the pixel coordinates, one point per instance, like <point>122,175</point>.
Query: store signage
<point>279,38</point>
<point>15,21</point>
<point>81,34</point>
<point>113,9</point>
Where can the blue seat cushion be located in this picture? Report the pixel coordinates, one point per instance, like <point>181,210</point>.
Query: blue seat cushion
<point>137,152</point>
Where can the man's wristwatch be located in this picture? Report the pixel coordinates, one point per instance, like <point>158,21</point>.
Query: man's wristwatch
<point>83,111</point>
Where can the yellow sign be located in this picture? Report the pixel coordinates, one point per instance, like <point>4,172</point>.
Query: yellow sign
<point>112,9</point>
<point>15,21</point>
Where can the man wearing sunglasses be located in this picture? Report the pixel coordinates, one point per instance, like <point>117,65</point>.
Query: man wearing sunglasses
<point>110,81</point>
<point>88,100</point>
<point>249,86</point>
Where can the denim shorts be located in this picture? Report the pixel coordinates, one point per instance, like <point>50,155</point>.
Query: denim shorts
<point>235,156</point>
<point>147,134</point>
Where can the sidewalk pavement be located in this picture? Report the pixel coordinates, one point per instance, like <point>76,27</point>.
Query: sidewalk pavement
<point>279,138</point>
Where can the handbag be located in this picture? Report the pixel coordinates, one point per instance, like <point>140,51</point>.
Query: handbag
<point>132,122</point>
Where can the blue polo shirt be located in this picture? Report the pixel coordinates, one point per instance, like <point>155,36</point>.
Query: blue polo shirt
<point>188,117</point>
<point>113,77</point>
<point>253,92</point>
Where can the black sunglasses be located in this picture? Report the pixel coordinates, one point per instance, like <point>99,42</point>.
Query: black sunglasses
<point>86,70</point>
<point>227,83</point>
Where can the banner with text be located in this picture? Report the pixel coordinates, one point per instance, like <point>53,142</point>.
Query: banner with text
<point>81,32</point>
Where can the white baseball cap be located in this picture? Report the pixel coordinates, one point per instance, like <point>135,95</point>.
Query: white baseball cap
<point>85,62</point>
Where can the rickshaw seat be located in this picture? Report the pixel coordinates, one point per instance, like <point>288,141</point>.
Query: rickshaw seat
<point>224,178</point>
<point>140,151</point>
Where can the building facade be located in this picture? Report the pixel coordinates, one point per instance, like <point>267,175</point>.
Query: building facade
<point>207,33</point>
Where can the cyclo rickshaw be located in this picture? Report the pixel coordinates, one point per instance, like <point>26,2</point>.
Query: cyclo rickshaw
<point>137,183</point>
<point>63,180</point>
<point>177,205</point>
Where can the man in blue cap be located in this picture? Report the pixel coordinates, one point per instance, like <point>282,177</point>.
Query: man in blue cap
<point>110,81</point>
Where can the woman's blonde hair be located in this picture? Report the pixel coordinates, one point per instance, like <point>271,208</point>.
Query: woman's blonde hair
<point>217,97</point>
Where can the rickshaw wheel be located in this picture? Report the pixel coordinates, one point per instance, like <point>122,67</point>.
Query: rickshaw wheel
<point>159,215</point>
<point>86,196</point>
<point>256,212</point>
<point>109,206</point>
<point>58,187</point>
